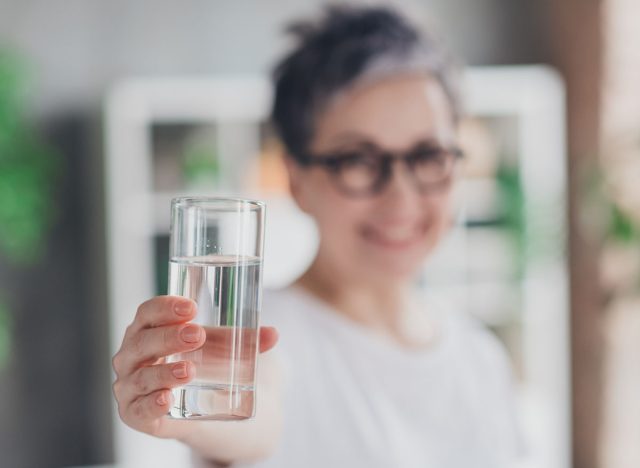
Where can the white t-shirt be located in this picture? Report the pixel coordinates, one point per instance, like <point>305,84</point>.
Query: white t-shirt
<point>355,399</point>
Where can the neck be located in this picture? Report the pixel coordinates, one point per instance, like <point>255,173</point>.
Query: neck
<point>380,306</point>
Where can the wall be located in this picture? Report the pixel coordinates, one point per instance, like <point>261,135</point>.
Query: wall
<point>78,47</point>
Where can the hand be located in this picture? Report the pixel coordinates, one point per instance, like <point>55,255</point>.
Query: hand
<point>143,383</point>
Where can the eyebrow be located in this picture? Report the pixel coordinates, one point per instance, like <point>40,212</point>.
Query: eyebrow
<point>345,140</point>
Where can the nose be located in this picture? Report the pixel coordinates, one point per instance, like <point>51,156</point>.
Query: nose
<point>400,193</point>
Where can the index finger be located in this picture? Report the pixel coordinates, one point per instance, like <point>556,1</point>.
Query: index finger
<point>163,310</point>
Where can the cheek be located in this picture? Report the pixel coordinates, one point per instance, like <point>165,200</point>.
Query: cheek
<point>340,221</point>
<point>440,220</point>
<point>336,215</point>
<point>441,213</point>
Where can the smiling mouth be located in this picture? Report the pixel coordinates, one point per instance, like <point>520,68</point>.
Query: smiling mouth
<point>395,237</point>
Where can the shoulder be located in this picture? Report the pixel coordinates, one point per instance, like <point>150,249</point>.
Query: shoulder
<point>478,349</point>
<point>488,374</point>
<point>478,338</point>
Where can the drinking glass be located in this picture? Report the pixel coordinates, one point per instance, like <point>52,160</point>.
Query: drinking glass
<point>215,259</point>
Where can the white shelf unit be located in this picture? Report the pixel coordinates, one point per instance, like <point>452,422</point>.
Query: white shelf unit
<point>533,95</point>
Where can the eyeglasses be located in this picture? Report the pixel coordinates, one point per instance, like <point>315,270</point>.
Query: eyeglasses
<point>366,170</point>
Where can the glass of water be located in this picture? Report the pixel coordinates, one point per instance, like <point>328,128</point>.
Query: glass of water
<point>216,260</point>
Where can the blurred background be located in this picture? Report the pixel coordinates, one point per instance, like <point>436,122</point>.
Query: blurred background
<point>109,108</point>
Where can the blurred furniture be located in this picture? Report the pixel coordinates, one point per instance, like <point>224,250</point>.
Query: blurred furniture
<point>169,137</point>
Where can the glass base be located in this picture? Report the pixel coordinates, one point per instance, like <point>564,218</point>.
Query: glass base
<point>213,401</point>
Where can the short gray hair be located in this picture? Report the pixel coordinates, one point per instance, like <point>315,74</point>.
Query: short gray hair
<point>346,46</point>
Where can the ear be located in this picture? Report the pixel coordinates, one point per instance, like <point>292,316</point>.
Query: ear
<point>296,185</point>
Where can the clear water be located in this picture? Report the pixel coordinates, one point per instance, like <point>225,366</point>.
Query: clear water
<point>227,291</point>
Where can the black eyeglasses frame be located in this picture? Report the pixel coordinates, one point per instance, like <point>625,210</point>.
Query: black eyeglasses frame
<point>333,161</point>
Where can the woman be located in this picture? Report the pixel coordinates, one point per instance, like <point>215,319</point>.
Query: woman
<point>363,374</point>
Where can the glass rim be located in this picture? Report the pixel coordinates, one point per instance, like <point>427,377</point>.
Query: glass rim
<point>216,202</point>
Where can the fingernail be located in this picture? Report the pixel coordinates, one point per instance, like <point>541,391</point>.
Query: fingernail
<point>191,334</point>
<point>179,371</point>
<point>183,308</point>
<point>162,399</point>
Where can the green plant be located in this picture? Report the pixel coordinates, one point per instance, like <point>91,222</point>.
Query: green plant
<point>28,173</point>
<point>621,227</point>
<point>201,166</point>
<point>28,170</point>
<point>511,205</point>
<point>615,228</point>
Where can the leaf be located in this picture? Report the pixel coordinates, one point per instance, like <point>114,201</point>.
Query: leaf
<point>622,227</point>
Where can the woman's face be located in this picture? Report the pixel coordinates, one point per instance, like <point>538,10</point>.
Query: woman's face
<point>385,235</point>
